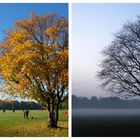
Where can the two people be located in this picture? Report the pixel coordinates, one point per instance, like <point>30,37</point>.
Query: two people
<point>26,114</point>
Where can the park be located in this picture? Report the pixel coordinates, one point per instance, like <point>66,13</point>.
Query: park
<point>34,70</point>
<point>14,124</point>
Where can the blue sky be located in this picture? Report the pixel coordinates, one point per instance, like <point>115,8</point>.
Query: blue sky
<point>93,26</point>
<point>10,12</point>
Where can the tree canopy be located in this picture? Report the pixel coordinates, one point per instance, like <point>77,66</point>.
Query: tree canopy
<point>34,59</point>
<point>120,69</point>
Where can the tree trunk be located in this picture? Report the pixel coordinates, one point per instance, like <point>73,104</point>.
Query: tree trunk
<point>52,120</point>
<point>52,115</point>
<point>57,113</point>
<point>13,107</point>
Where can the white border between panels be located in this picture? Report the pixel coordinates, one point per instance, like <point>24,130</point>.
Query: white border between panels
<point>70,68</point>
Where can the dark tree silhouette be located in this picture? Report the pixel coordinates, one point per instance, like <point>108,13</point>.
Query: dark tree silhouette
<point>120,69</point>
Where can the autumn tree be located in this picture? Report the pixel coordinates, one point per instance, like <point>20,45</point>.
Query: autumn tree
<point>34,61</point>
<point>120,69</point>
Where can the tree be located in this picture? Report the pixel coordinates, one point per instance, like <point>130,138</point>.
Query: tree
<point>120,69</point>
<point>2,105</point>
<point>34,61</point>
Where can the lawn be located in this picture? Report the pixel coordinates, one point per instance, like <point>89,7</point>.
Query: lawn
<point>14,124</point>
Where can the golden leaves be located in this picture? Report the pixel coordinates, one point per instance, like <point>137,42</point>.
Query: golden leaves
<point>50,30</point>
<point>33,59</point>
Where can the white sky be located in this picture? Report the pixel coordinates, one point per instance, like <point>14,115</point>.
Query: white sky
<point>93,26</point>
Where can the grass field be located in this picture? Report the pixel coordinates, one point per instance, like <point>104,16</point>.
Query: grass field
<point>14,124</point>
<point>106,123</point>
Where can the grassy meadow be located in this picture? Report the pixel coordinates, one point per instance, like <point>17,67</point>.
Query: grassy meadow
<point>106,123</point>
<point>14,124</point>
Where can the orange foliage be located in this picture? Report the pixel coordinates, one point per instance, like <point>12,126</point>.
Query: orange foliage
<point>35,58</point>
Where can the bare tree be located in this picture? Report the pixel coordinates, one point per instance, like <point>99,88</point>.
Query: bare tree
<point>120,69</point>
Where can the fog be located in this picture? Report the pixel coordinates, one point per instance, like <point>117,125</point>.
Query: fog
<point>93,26</point>
<point>106,112</point>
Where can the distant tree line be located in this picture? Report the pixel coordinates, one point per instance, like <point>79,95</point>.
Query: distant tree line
<point>104,102</point>
<point>23,105</point>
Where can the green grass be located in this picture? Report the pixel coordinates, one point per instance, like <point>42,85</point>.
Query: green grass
<point>14,124</point>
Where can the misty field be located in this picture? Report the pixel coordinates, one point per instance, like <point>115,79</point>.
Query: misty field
<point>14,124</point>
<point>106,123</point>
